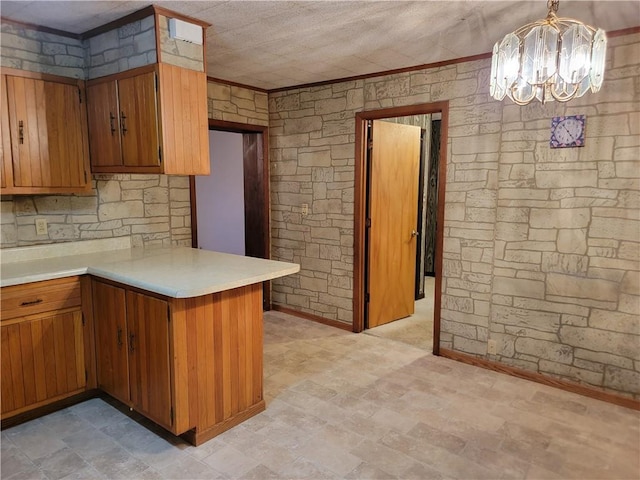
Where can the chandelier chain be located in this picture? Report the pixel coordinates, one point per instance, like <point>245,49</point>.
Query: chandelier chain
<point>553,5</point>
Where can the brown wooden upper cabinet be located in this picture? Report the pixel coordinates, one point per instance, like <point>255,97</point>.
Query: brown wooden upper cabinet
<point>151,119</point>
<point>44,137</point>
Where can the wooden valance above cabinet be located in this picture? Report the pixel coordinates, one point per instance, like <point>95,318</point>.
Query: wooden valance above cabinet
<point>151,119</point>
<point>44,147</point>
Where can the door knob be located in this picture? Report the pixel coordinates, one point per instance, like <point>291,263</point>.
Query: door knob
<point>414,233</point>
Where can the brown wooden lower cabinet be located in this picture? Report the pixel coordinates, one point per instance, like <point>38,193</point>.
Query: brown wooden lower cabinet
<point>132,350</point>
<point>45,345</point>
<point>192,365</point>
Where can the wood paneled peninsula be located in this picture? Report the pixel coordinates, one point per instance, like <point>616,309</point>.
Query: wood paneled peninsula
<point>175,334</point>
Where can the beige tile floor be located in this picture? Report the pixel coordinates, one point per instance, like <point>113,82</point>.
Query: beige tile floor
<point>417,329</point>
<point>341,405</point>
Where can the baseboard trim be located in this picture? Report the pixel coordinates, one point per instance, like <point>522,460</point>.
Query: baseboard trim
<point>43,410</point>
<point>313,318</point>
<point>197,438</point>
<point>567,385</point>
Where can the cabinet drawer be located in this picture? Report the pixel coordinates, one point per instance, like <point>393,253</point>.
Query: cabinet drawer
<point>38,297</point>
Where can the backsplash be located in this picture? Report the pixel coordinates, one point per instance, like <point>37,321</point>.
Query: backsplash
<point>151,209</point>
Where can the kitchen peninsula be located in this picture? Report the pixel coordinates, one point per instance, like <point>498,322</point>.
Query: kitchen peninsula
<point>174,333</point>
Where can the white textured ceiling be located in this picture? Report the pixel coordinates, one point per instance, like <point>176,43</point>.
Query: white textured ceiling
<point>275,44</point>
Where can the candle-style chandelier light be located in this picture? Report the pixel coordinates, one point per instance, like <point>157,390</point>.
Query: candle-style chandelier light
<point>551,59</point>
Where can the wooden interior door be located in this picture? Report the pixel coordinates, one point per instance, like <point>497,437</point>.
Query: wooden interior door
<point>104,124</point>
<point>149,367</point>
<point>139,120</point>
<point>42,360</point>
<point>393,211</point>
<point>110,319</point>
<point>47,138</point>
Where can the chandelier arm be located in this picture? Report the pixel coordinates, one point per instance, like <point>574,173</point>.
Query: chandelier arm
<point>528,100</point>
<point>566,98</point>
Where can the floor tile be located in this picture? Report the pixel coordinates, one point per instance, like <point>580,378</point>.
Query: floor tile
<point>188,468</point>
<point>90,442</point>
<point>118,463</point>
<point>61,463</point>
<point>231,461</point>
<point>13,460</point>
<point>34,440</point>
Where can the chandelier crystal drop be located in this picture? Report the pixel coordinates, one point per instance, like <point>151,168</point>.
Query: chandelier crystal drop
<point>551,59</point>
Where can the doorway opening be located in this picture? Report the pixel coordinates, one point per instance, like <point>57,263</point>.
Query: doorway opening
<point>381,254</point>
<point>231,212</point>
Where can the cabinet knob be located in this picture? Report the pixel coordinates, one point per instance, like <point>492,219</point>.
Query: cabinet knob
<point>21,131</point>
<point>112,120</point>
<point>123,118</point>
<point>119,337</point>
<point>131,339</point>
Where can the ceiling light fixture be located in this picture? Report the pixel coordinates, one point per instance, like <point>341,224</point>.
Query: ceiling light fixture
<point>551,59</point>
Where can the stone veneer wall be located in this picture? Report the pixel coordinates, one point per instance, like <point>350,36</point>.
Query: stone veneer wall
<point>237,104</point>
<point>178,52</point>
<point>129,46</point>
<point>541,246</point>
<point>151,209</point>
<point>27,49</point>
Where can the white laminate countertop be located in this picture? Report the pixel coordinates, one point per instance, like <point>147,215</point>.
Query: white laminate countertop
<point>178,272</point>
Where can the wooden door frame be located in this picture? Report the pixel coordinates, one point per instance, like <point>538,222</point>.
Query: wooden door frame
<point>224,126</point>
<point>360,200</point>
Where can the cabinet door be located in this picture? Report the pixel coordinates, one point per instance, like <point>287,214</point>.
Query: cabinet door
<point>109,316</point>
<point>185,122</point>
<point>46,133</point>
<point>104,124</point>
<point>6,167</point>
<point>149,356</point>
<point>139,120</point>
<point>42,360</point>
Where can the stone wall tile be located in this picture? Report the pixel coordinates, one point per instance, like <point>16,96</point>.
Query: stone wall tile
<point>571,286</point>
<point>604,358</point>
<point>614,228</point>
<point>522,288</point>
<point>549,350</point>
<point>565,218</point>
<point>629,303</point>
<point>630,283</point>
<point>627,381</point>
<point>615,321</point>
<point>565,263</point>
<point>570,372</point>
<point>601,341</point>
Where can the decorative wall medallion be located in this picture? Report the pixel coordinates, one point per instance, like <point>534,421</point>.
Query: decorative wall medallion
<point>567,131</point>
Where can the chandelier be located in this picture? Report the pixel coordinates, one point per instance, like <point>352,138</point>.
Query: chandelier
<point>551,59</point>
